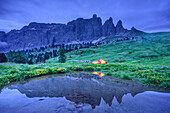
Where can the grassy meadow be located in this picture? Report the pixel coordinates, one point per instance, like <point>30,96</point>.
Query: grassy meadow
<point>145,60</point>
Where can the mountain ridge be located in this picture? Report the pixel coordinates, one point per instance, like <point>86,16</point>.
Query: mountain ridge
<point>43,34</point>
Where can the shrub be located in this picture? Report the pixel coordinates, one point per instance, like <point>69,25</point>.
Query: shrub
<point>109,73</point>
<point>12,71</point>
<point>9,78</point>
<point>23,73</point>
<point>4,67</point>
<point>79,68</point>
<point>72,68</point>
<point>106,68</point>
<point>133,69</point>
<point>126,77</point>
<point>40,72</point>
<point>30,74</point>
<point>165,84</point>
<point>61,70</point>
<point>52,70</point>
<point>117,74</point>
<point>89,68</point>
<point>98,68</point>
<point>4,79</point>
<point>24,69</point>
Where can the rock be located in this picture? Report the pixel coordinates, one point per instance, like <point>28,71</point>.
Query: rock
<point>36,35</point>
<point>2,36</point>
<point>3,43</point>
<point>3,46</point>
<point>134,31</point>
<point>86,29</point>
<point>119,28</point>
<point>108,29</point>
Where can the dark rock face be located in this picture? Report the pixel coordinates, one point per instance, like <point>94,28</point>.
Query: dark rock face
<point>3,44</point>
<point>120,29</point>
<point>108,28</point>
<point>86,29</point>
<point>41,34</point>
<point>34,35</point>
<point>2,36</point>
<point>134,31</point>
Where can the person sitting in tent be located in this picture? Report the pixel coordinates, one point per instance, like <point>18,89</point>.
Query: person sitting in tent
<point>100,61</point>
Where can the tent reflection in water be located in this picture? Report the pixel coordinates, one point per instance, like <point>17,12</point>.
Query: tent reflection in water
<point>100,61</point>
<point>99,74</point>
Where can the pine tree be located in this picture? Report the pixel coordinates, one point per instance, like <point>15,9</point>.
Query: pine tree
<point>62,57</point>
<point>46,56</point>
<point>3,58</point>
<point>55,53</point>
<point>43,60</point>
<point>10,56</point>
<point>18,57</point>
<point>53,42</point>
<point>30,61</point>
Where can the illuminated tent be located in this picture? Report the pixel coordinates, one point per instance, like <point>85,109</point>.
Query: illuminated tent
<point>100,61</point>
<point>99,74</point>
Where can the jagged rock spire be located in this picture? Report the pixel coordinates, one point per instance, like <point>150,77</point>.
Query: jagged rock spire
<point>108,28</point>
<point>119,28</point>
<point>94,16</point>
<point>119,24</point>
<point>133,29</point>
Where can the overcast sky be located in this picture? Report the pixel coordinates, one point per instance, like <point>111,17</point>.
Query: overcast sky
<point>145,15</point>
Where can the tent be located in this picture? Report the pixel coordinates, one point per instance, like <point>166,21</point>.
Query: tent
<point>99,74</point>
<point>100,61</point>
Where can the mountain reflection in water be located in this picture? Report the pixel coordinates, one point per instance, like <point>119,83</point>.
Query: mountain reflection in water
<point>81,93</point>
<point>79,90</point>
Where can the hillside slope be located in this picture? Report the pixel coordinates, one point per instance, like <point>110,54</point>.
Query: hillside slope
<point>145,60</point>
<point>155,48</point>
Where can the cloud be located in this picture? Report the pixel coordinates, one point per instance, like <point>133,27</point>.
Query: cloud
<point>3,44</point>
<point>143,14</point>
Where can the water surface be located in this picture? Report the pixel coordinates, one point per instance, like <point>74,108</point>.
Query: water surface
<point>81,93</point>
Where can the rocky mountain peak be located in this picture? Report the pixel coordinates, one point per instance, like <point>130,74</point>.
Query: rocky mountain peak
<point>42,34</point>
<point>108,28</point>
<point>2,32</point>
<point>119,28</point>
<point>79,18</point>
<point>110,19</point>
<point>133,29</point>
<point>119,24</point>
<point>94,16</point>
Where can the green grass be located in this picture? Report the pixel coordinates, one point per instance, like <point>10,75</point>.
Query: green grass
<point>146,60</point>
<point>153,50</point>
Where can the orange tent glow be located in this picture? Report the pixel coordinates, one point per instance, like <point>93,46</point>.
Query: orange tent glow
<point>100,61</point>
<point>99,74</point>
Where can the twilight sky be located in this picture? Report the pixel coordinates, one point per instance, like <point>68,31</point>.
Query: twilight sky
<point>145,15</point>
